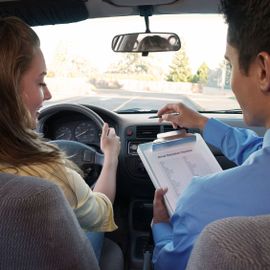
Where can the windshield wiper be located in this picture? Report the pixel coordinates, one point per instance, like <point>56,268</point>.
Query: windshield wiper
<point>231,111</point>
<point>136,110</point>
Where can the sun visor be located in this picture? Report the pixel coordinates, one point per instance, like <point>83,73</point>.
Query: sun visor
<point>40,12</point>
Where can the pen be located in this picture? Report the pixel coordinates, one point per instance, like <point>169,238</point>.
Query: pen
<point>157,116</point>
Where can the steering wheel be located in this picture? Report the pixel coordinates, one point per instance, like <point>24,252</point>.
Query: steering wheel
<point>81,154</point>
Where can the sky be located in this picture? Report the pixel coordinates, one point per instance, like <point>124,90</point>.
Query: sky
<point>204,37</point>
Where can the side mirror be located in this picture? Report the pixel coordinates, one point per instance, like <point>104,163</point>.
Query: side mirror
<point>146,42</point>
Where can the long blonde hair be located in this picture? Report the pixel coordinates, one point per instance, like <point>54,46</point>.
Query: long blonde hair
<point>19,144</point>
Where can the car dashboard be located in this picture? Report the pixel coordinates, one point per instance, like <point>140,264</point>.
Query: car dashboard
<point>135,191</point>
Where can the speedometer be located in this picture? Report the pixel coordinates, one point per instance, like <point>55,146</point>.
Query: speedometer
<point>63,133</point>
<point>86,132</point>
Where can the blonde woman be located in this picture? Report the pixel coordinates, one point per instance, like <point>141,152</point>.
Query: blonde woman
<point>23,152</point>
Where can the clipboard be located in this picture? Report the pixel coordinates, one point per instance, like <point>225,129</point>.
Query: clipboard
<point>172,162</point>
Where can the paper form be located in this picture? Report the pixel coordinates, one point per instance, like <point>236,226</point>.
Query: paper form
<point>173,164</point>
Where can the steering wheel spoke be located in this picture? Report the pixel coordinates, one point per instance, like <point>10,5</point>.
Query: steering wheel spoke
<point>91,157</point>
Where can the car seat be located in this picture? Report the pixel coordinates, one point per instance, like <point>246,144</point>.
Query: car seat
<point>39,230</point>
<point>240,243</point>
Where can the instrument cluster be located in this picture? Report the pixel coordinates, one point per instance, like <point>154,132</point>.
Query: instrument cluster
<point>82,131</point>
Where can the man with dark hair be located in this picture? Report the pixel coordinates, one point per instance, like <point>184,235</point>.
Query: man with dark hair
<point>240,191</point>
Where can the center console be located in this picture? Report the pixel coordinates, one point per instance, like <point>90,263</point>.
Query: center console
<point>140,209</point>
<point>140,231</point>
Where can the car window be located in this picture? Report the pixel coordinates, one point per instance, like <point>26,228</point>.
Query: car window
<point>83,68</point>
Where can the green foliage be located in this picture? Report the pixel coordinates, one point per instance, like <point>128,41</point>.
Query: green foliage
<point>195,78</point>
<point>179,69</point>
<point>201,75</point>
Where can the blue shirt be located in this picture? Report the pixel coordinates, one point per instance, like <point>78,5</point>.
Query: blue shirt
<point>240,191</point>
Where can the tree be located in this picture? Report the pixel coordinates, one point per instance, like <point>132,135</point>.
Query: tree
<point>60,60</point>
<point>130,63</point>
<point>133,65</point>
<point>81,67</point>
<point>68,64</point>
<point>201,75</point>
<point>179,69</point>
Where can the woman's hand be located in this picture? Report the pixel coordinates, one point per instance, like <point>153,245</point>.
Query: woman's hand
<point>110,145</point>
<point>110,142</point>
<point>160,212</point>
<point>187,117</point>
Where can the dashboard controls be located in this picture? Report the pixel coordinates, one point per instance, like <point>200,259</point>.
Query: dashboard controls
<point>129,132</point>
<point>132,148</point>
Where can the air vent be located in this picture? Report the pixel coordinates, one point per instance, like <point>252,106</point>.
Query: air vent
<point>149,132</point>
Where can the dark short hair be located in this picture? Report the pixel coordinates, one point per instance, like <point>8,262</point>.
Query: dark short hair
<point>248,28</point>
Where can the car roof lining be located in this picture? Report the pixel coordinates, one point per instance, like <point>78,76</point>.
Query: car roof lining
<point>49,12</point>
<point>106,8</point>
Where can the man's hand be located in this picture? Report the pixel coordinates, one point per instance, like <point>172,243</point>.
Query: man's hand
<point>160,212</point>
<point>187,117</point>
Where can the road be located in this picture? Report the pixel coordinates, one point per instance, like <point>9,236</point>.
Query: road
<point>117,99</point>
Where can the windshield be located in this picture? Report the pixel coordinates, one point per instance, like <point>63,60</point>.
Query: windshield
<point>82,67</point>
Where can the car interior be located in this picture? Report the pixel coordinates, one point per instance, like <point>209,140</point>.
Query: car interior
<point>130,89</point>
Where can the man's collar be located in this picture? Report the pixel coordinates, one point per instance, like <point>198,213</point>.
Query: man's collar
<point>266,139</point>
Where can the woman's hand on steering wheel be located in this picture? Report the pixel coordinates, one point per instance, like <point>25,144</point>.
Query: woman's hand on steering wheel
<point>110,143</point>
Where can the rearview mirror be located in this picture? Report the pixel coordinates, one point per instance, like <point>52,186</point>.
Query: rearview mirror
<point>146,42</point>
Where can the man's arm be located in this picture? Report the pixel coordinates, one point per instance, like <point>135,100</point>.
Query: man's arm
<point>235,143</point>
<point>166,255</point>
